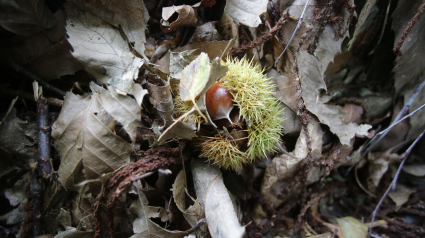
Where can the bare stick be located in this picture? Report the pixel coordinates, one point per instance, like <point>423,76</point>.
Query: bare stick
<point>378,137</point>
<point>393,183</point>
<point>300,21</point>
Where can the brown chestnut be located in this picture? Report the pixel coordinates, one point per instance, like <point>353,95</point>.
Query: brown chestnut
<point>219,102</point>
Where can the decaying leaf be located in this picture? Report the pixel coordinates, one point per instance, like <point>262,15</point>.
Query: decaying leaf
<point>25,17</point>
<point>246,12</point>
<point>100,47</point>
<point>18,141</point>
<point>45,53</point>
<point>143,226</point>
<point>312,82</point>
<point>379,163</point>
<point>283,167</point>
<point>187,17</point>
<point>410,71</point>
<point>83,139</point>
<point>215,200</point>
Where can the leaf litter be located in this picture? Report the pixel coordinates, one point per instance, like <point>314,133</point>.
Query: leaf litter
<point>128,132</point>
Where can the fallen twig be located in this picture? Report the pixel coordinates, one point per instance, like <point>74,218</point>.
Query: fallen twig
<point>300,21</point>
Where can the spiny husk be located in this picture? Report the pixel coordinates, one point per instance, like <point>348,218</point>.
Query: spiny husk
<point>253,93</point>
<point>222,152</point>
<point>181,107</point>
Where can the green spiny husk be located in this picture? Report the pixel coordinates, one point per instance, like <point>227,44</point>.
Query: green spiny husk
<point>253,93</point>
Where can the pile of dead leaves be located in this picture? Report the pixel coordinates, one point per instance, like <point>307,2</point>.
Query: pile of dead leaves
<point>119,152</point>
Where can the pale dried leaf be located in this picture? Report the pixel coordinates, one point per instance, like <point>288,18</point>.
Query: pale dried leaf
<point>131,15</point>
<point>99,46</point>
<point>25,17</point>
<point>124,109</point>
<point>82,138</point>
<point>72,232</point>
<point>352,228</point>
<point>213,196</point>
<point>246,12</point>
<point>401,194</point>
<point>379,163</point>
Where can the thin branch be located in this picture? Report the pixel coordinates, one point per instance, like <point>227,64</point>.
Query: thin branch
<point>378,137</point>
<point>394,182</point>
<point>293,34</point>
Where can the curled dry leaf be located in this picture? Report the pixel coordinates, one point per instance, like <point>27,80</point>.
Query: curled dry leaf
<point>84,141</point>
<point>143,226</point>
<point>214,198</point>
<point>162,100</point>
<point>192,213</point>
<point>187,17</point>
